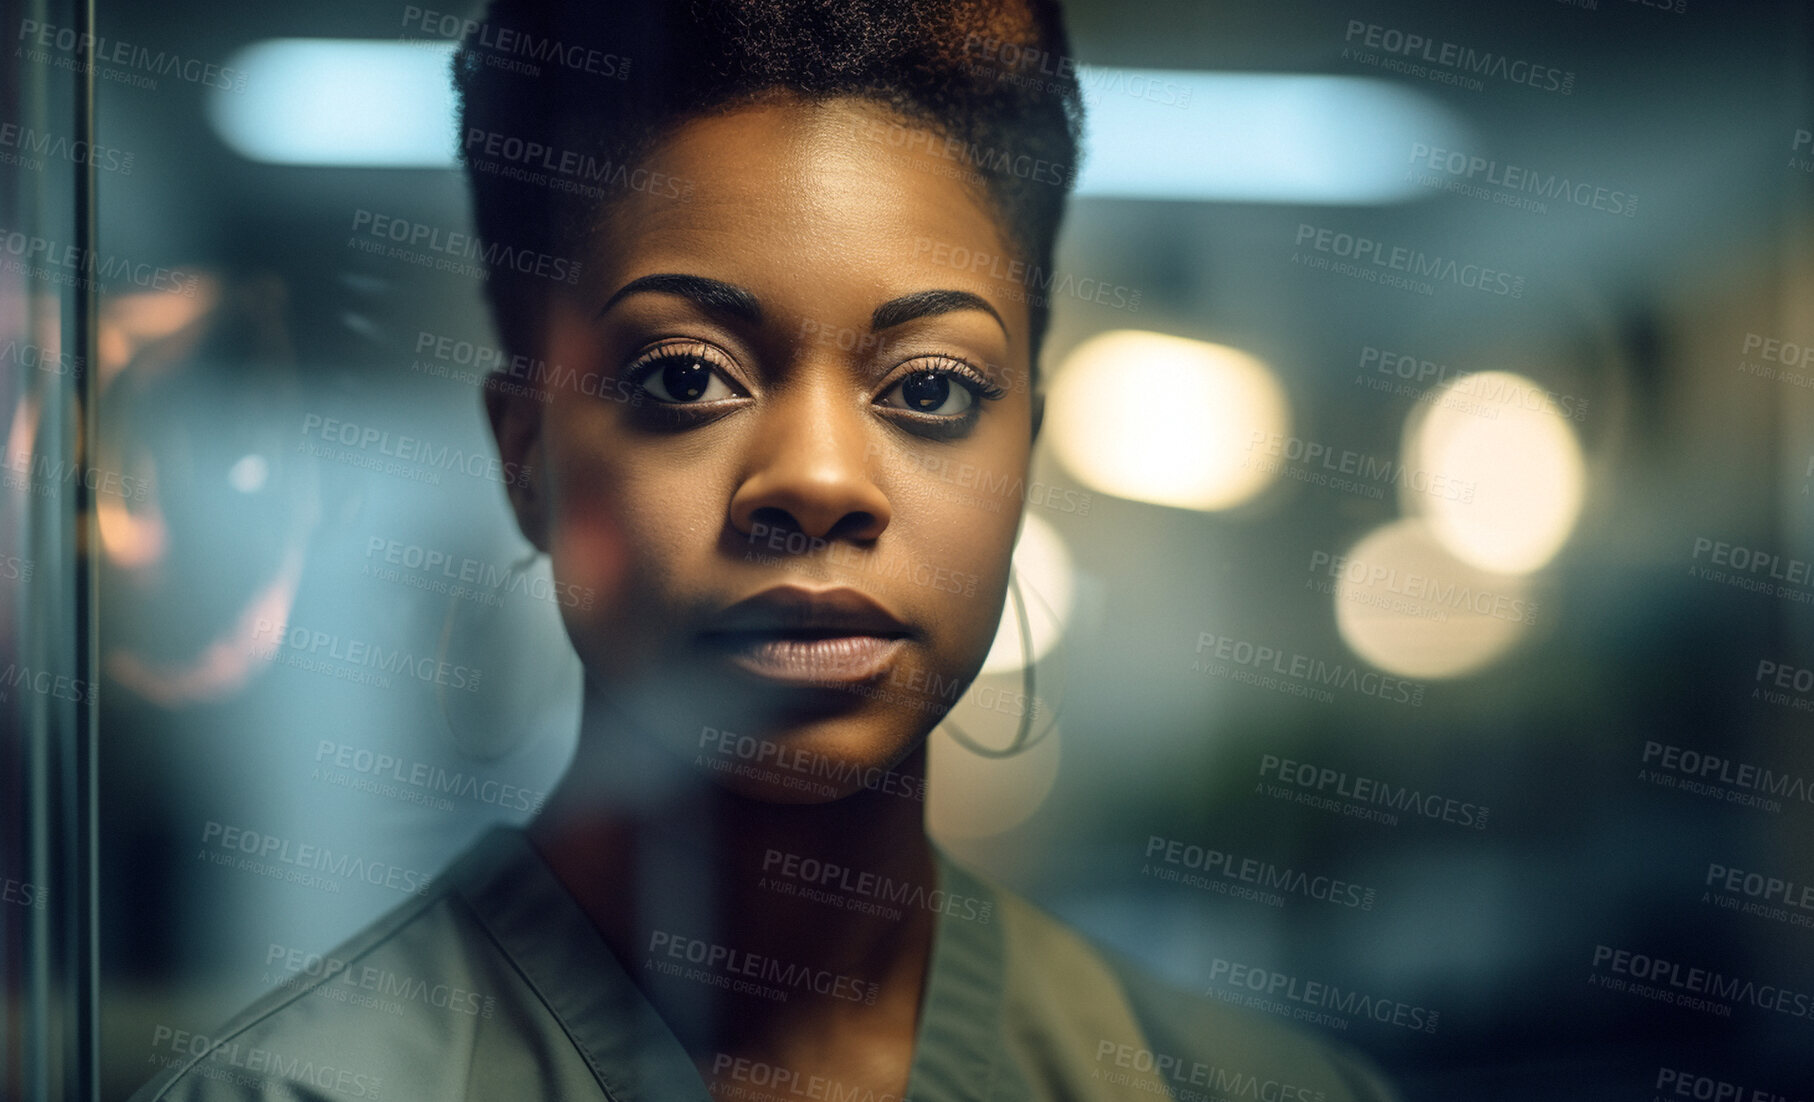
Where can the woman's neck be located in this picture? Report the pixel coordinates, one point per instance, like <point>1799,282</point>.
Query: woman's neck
<point>695,888</point>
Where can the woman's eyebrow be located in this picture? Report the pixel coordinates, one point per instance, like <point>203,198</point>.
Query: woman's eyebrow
<point>712,294</point>
<point>925,304</point>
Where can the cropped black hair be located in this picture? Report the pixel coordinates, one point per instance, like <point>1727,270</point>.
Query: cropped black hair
<point>560,100</point>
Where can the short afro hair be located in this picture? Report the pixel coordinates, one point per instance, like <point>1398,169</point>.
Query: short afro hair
<point>597,83</point>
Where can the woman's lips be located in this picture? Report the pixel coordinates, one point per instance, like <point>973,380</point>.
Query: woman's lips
<point>800,637</point>
<point>812,660</point>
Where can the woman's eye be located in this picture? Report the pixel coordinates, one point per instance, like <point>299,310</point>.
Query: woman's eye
<point>680,378</point>
<point>932,392</point>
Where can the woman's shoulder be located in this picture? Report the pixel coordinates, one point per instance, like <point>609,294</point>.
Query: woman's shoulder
<point>1080,1012</point>
<point>407,1008</point>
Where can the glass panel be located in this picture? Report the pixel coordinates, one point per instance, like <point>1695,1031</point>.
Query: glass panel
<point>1410,639</point>
<point>47,484</point>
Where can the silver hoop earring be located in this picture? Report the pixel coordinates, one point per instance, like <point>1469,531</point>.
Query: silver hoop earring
<point>1021,741</point>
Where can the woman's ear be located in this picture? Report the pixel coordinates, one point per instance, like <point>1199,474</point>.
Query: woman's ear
<point>516,425</point>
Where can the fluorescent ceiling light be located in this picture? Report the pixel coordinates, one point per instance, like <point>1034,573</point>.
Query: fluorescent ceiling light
<point>340,102</point>
<point>1257,137</point>
<point>1152,133</point>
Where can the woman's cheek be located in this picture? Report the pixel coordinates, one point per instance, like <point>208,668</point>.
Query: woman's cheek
<point>984,605</point>
<point>962,570</point>
<point>589,549</point>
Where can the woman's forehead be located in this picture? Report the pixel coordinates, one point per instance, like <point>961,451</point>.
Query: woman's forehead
<point>826,168</point>
<point>793,193</point>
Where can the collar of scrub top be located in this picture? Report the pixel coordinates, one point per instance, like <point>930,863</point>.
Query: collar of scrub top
<point>634,1054</point>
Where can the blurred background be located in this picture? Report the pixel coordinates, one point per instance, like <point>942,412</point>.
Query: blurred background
<point>1423,507</point>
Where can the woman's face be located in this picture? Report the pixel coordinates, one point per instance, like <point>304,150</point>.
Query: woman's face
<point>798,527</point>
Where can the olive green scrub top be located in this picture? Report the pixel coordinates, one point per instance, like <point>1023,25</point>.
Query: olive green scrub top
<point>495,985</point>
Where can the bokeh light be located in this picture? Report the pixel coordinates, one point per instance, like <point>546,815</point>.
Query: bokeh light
<point>1048,587</point>
<point>1408,606</point>
<point>1500,436</point>
<point>1163,419</point>
<point>969,795</point>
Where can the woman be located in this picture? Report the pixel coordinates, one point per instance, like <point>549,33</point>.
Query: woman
<point>801,231</point>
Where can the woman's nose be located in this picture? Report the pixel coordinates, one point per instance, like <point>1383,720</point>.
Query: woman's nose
<point>809,468</point>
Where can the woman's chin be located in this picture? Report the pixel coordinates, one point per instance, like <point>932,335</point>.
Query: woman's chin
<point>812,760</point>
